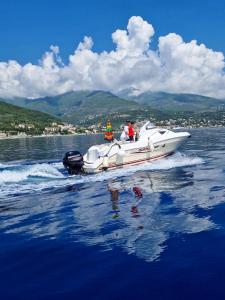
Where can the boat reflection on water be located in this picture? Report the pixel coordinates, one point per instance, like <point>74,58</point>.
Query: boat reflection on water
<point>147,183</point>
<point>144,203</point>
<point>114,189</point>
<point>137,213</point>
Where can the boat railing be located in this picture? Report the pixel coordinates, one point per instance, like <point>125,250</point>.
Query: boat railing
<point>106,154</point>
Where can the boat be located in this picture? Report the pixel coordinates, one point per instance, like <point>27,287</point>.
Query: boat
<point>152,143</point>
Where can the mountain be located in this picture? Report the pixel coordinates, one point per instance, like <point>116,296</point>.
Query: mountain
<point>92,107</point>
<point>75,107</point>
<point>11,116</point>
<point>174,102</point>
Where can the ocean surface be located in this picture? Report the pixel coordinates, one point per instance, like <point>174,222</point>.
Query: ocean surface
<point>153,231</point>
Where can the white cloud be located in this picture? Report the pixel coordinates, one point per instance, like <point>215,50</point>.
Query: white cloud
<point>176,66</point>
<point>135,40</point>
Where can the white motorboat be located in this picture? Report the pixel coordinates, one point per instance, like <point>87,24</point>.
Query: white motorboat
<point>153,143</point>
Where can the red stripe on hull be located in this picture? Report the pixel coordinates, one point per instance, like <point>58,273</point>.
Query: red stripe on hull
<point>135,162</point>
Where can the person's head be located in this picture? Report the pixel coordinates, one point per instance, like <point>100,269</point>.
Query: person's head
<point>132,123</point>
<point>127,122</point>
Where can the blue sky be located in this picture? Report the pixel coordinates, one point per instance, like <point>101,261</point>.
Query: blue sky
<point>29,27</point>
<point>154,46</point>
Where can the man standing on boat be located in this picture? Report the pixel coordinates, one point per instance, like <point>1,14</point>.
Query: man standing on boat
<point>125,134</point>
<point>131,131</point>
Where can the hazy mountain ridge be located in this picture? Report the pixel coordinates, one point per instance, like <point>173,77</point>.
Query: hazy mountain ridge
<point>90,107</point>
<point>170,102</point>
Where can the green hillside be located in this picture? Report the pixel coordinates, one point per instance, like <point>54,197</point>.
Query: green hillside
<point>81,105</point>
<point>11,116</point>
<point>75,107</point>
<point>93,107</point>
<point>176,102</point>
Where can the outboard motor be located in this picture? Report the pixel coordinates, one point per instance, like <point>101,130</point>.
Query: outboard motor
<point>73,162</point>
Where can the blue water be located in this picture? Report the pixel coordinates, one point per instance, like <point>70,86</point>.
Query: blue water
<point>154,231</point>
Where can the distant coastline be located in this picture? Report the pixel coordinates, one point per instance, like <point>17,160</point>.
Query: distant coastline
<point>11,137</point>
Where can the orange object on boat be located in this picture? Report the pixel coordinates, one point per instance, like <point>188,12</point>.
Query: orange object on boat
<point>109,132</point>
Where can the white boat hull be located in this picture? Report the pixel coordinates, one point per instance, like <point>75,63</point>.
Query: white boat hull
<point>153,143</point>
<point>135,156</point>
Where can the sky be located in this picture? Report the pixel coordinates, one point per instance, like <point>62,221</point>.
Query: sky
<point>29,28</point>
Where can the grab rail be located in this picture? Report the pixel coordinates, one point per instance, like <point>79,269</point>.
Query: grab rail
<point>115,144</point>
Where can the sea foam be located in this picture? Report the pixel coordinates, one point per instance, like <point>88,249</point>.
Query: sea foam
<point>38,177</point>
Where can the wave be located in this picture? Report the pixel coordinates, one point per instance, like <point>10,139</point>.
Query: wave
<point>175,161</point>
<point>6,166</point>
<point>23,173</point>
<point>41,176</point>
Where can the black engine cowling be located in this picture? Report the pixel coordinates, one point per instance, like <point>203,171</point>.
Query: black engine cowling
<point>73,162</point>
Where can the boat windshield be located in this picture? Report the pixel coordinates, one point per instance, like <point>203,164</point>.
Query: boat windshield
<point>146,125</point>
<point>150,126</point>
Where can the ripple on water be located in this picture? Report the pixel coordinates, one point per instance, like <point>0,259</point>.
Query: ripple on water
<point>29,178</point>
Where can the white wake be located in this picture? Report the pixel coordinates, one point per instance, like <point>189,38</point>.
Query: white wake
<point>38,177</point>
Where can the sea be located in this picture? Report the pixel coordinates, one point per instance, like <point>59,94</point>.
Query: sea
<point>151,231</point>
